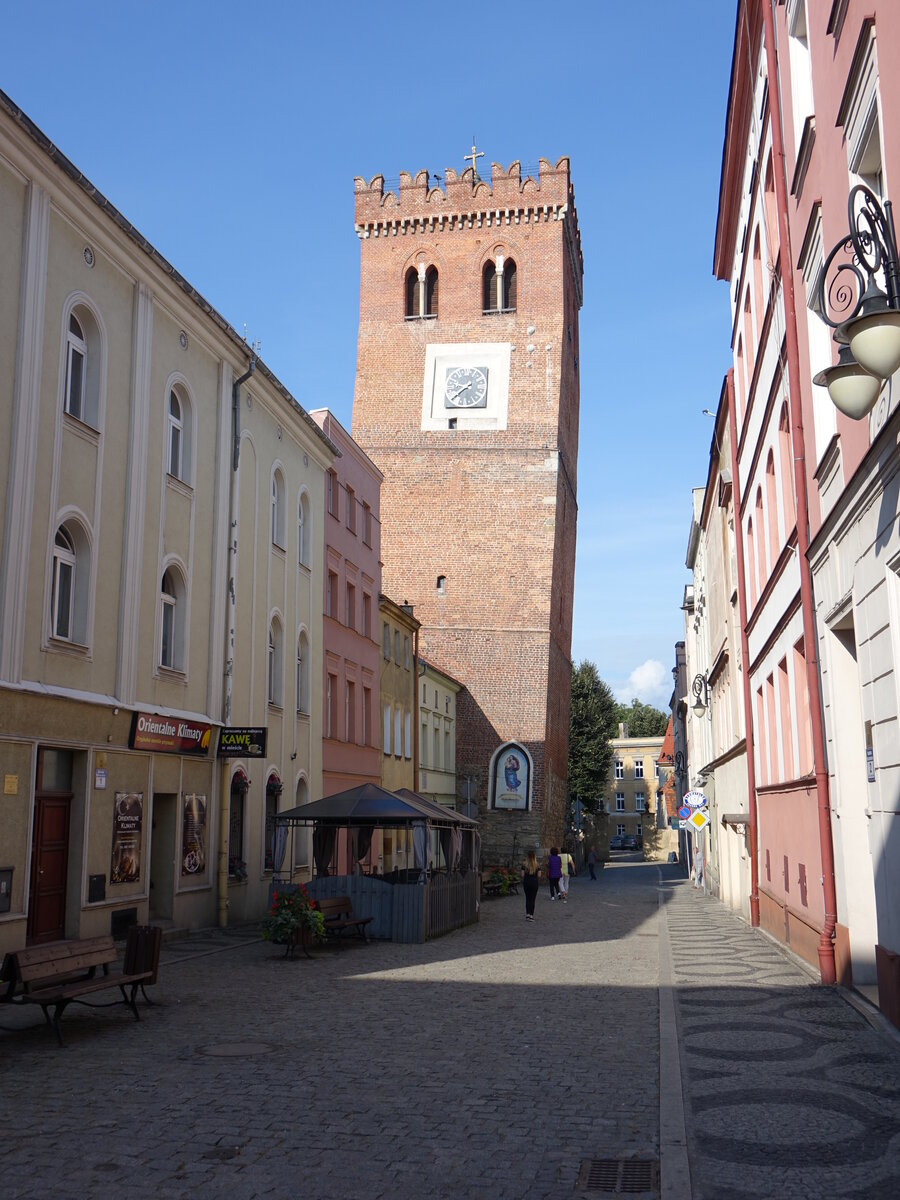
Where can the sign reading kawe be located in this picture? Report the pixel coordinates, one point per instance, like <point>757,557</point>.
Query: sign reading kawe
<point>168,735</point>
<point>243,742</point>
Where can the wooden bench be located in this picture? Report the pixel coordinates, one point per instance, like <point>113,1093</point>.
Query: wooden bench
<point>339,918</point>
<point>60,973</point>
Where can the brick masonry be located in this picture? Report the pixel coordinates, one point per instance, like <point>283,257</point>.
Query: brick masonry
<point>493,511</point>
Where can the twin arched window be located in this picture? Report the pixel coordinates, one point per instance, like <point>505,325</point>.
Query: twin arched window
<point>421,292</point>
<point>499,285</point>
<point>274,686</point>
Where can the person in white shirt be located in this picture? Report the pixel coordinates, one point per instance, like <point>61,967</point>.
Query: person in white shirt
<point>568,868</point>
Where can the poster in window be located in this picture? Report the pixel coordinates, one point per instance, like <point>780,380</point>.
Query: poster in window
<point>193,836</point>
<point>128,817</point>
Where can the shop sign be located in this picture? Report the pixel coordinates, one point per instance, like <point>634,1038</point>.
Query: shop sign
<point>193,836</point>
<point>126,840</point>
<point>168,735</point>
<point>243,742</point>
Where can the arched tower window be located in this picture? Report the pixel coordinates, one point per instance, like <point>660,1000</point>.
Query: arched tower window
<point>171,620</point>
<point>412,292</point>
<point>431,292</point>
<point>63,587</point>
<point>76,358</point>
<point>509,285</point>
<point>489,287</point>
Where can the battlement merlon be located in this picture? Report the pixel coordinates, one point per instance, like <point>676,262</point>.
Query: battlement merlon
<point>418,205</point>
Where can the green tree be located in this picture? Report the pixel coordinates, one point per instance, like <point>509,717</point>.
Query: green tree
<point>592,723</point>
<point>643,720</point>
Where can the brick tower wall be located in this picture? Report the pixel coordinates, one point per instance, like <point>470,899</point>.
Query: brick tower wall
<point>493,511</point>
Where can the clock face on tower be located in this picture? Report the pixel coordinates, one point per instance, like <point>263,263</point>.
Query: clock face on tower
<point>466,387</point>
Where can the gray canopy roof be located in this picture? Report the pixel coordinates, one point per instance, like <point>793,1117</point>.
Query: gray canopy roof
<point>369,804</point>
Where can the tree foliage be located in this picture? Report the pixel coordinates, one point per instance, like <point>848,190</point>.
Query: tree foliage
<point>593,721</point>
<point>643,720</point>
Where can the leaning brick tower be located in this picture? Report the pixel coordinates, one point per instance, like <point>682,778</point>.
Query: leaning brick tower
<point>467,399</point>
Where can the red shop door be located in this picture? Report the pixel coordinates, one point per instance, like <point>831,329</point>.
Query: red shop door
<point>49,867</point>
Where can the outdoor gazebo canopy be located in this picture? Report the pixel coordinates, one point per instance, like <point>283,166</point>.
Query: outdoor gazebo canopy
<point>370,804</point>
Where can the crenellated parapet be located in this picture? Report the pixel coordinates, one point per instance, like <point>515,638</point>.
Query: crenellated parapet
<point>420,205</point>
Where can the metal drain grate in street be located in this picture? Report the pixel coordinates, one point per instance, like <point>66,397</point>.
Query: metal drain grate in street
<point>620,1177</point>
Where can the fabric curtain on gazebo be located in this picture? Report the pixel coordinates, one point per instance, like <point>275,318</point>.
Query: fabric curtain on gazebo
<point>323,847</point>
<point>419,844</point>
<point>363,841</point>
<point>281,837</point>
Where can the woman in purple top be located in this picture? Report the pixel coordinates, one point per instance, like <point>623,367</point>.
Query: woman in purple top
<point>554,871</point>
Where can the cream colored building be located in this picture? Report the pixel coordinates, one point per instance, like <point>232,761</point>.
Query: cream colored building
<point>437,735</point>
<point>121,651</point>
<point>630,796</point>
<point>397,691</point>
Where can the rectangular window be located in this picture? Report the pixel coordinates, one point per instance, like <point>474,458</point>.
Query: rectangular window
<point>331,483</point>
<point>639,801</point>
<point>387,729</point>
<point>620,830</point>
<point>423,746</point>
<point>386,642</point>
<point>331,706</point>
<point>784,710</point>
<point>331,595</point>
<point>436,746</point>
<point>448,749</point>
<point>367,615</point>
<point>367,525</point>
<point>774,774</point>
<point>804,722</point>
<point>620,769</point>
<point>367,716</point>
<point>398,733</point>
<point>350,607</point>
<point>397,648</point>
<point>761,739</point>
<point>639,768</point>
<point>236,832</point>
<point>269,831</point>
<point>620,801</point>
<point>350,711</point>
<point>350,502</point>
<point>406,659</point>
<point>407,735</point>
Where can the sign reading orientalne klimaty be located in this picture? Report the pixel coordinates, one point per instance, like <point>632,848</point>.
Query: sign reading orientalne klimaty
<point>168,735</point>
<point>243,742</point>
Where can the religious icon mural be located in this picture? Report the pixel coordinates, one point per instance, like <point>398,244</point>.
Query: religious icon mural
<point>511,777</point>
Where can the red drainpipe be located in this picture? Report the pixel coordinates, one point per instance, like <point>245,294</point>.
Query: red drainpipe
<point>745,652</point>
<point>810,640</point>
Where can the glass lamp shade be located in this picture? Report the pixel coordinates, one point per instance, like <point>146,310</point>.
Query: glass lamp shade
<point>875,342</point>
<point>852,389</point>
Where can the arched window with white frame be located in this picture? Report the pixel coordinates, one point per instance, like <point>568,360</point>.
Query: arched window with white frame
<point>277,509</point>
<point>176,435</point>
<point>304,532</point>
<point>303,673</point>
<point>76,368</point>
<point>274,688</point>
<point>70,575</point>
<point>173,603</point>
<point>179,430</point>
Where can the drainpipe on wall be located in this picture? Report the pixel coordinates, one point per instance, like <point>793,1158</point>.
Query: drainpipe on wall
<point>810,640</point>
<point>745,652</point>
<point>230,603</point>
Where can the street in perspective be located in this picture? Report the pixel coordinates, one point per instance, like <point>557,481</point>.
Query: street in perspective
<point>639,1032</point>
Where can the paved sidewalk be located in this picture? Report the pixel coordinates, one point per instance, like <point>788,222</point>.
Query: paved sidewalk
<point>486,1065</point>
<point>489,1063</point>
<point>789,1091</point>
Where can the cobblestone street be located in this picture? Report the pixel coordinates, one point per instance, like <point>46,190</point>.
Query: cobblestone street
<point>490,1063</point>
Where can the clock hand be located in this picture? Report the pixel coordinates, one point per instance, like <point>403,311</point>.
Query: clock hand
<point>460,391</point>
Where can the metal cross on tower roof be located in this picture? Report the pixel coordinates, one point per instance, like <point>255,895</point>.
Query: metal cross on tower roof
<point>476,154</point>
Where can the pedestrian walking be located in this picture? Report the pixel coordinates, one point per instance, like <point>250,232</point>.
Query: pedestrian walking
<point>554,871</point>
<point>567,870</point>
<point>592,862</point>
<point>531,881</point>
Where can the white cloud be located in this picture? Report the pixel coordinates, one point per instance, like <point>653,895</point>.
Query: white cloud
<point>650,682</point>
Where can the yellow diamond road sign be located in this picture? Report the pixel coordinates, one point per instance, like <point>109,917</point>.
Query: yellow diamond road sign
<point>699,819</point>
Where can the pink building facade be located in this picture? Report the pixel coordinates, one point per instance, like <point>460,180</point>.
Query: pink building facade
<point>351,753</point>
<point>818,510</point>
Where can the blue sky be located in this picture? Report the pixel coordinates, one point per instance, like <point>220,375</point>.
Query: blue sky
<point>230,135</point>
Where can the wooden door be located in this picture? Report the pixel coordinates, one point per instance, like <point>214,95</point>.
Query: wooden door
<point>49,868</point>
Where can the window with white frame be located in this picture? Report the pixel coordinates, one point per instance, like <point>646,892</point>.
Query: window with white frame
<point>639,801</point>
<point>620,801</point>
<point>331,703</point>
<point>331,492</point>
<point>801,68</point>
<point>406,653</point>
<point>398,732</point>
<point>303,673</point>
<point>172,610</point>
<point>278,509</point>
<point>367,525</point>
<point>62,591</point>
<point>812,263</point>
<point>349,711</point>
<point>303,531</point>
<point>331,595</point>
<point>436,746</point>
<point>366,716</point>
<point>858,115</point>
<point>350,502</point>
<point>398,648</point>
<point>76,362</point>
<point>639,768</point>
<point>275,657</point>
<point>620,830</point>
<point>367,615</point>
<point>423,745</point>
<point>350,606</point>
<point>407,735</point>
<point>386,742</point>
<point>620,769</point>
<point>176,434</point>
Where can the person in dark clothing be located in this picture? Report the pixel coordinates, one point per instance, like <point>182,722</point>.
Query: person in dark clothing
<point>531,881</point>
<point>592,861</point>
<point>554,871</point>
